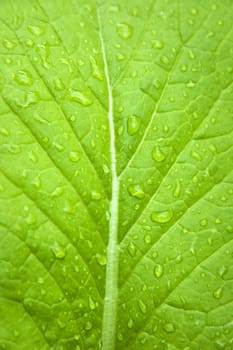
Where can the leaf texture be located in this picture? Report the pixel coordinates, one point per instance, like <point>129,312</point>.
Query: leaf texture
<point>116,184</point>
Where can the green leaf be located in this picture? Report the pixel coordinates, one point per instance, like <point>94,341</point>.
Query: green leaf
<point>116,185</point>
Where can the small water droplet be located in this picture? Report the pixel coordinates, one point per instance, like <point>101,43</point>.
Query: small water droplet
<point>169,327</point>
<point>165,60</point>
<point>88,325</point>
<point>57,192</point>
<point>30,219</point>
<point>37,182</point>
<point>15,149</point>
<point>124,30</point>
<point>158,270</point>
<point>157,44</point>
<point>8,44</point>
<point>183,67</point>
<point>196,155</point>
<point>120,56</point>
<point>147,239</point>
<point>142,306</point>
<point>133,124</point>
<point>95,195</point>
<point>162,216</point>
<point>58,252</point>
<point>203,222</point>
<point>74,156</point>
<point>136,190</point>
<point>58,146</point>
<point>176,192</point>
<point>191,54</point>
<point>68,207</point>
<point>4,132</point>
<point>33,156</point>
<point>30,42</point>
<point>92,304</point>
<point>105,169</point>
<point>80,97</point>
<point>23,77</point>
<point>130,323</point>
<point>35,30</point>
<point>96,72</point>
<point>131,249</point>
<point>217,293</point>
<point>157,154</point>
<point>101,259</point>
<point>58,84</point>
<point>120,336</point>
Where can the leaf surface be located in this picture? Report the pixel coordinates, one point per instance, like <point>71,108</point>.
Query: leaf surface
<point>116,193</point>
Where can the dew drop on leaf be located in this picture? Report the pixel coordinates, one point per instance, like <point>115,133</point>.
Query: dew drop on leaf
<point>35,30</point>
<point>131,249</point>
<point>101,259</point>
<point>142,306</point>
<point>147,239</point>
<point>157,154</point>
<point>96,72</point>
<point>169,327</point>
<point>124,30</point>
<point>158,270</point>
<point>23,77</point>
<point>95,195</point>
<point>217,293</point>
<point>162,216</point>
<point>133,124</point>
<point>74,156</point>
<point>57,192</point>
<point>157,44</point>
<point>80,97</point>
<point>136,190</point>
<point>8,44</point>
<point>92,303</point>
<point>130,323</point>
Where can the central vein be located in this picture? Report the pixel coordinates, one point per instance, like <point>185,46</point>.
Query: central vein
<point>111,287</point>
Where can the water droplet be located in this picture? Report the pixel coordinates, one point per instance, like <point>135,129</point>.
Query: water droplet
<point>58,83</point>
<point>191,54</point>
<point>196,155</point>
<point>190,84</point>
<point>142,306</point>
<point>162,216</point>
<point>23,77</point>
<point>35,30</point>
<point>33,156</point>
<point>217,293</point>
<point>203,222</point>
<point>124,30</point>
<point>92,304</point>
<point>106,169</point>
<point>74,156</point>
<point>37,182</point>
<point>133,124</point>
<point>130,323</point>
<point>157,154</point>
<point>95,195</point>
<point>120,336</point>
<point>57,192</point>
<point>8,44</point>
<point>101,259</point>
<point>136,190</point>
<point>4,132</point>
<point>68,207</point>
<point>58,146</point>
<point>80,97</point>
<point>120,56</point>
<point>58,252</point>
<point>157,44</point>
<point>183,67</point>
<point>30,219</point>
<point>218,221</point>
<point>88,325</point>
<point>96,72</point>
<point>30,42</point>
<point>158,270</point>
<point>15,149</point>
<point>147,239</point>
<point>131,249</point>
<point>165,60</point>
<point>176,192</point>
<point>169,327</point>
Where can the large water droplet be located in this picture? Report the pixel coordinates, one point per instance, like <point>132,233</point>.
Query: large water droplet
<point>157,154</point>
<point>142,306</point>
<point>80,97</point>
<point>133,124</point>
<point>158,270</point>
<point>74,156</point>
<point>217,293</point>
<point>35,30</point>
<point>124,30</point>
<point>131,249</point>
<point>162,216</point>
<point>136,190</point>
<point>157,44</point>
<point>169,327</point>
<point>101,259</point>
<point>23,77</point>
<point>96,72</point>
